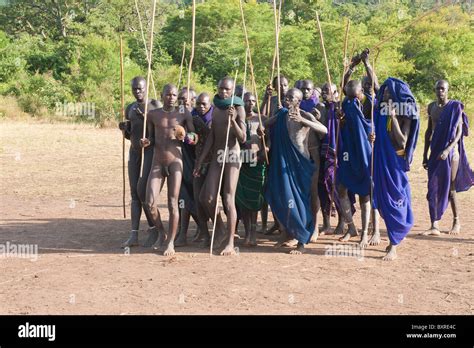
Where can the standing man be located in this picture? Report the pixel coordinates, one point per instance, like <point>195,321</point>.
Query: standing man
<point>447,165</point>
<point>274,105</point>
<point>202,120</point>
<point>354,159</point>
<point>250,188</point>
<point>397,125</point>
<point>227,108</point>
<point>133,129</point>
<point>327,109</point>
<point>166,126</point>
<point>289,177</point>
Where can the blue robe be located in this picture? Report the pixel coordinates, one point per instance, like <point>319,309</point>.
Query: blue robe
<point>288,190</point>
<point>355,153</point>
<point>392,196</point>
<point>439,171</point>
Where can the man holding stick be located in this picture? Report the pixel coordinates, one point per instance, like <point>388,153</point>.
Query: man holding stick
<point>167,123</point>
<point>227,108</point>
<point>133,129</point>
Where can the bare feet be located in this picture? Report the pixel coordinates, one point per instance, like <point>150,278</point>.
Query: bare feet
<point>251,240</point>
<point>364,240</point>
<point>206,242</point>
<point>161,238</point>
<point>290,243</point>
<point>169,250</point>
<point>199,235</point>
<point>456,227</point>
<point>181,240</point>
<point>131,241</point>
<point>375,239</point>
<point>433,231</point>
<point>272,230</point>
<point>152,237</point>
<point>325,230</point>
<point>391,254</point>
<point>339,228</point>
<point>351,232</point>
<point>220,238</point>
<point>314,237</point>
<point>228,251</point>
<point>263,230</point>
<point>299,249</point>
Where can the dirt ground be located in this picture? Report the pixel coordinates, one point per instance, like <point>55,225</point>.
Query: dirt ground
<point>61,189</point>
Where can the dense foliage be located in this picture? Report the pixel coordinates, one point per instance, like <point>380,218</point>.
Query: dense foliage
<point>57,51</point>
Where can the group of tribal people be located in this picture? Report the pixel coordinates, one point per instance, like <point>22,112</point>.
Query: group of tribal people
<point>310,150</point>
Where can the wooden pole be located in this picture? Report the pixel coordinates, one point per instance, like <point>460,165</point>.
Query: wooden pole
<point>344,63</point>
<point>415,20</point>
<point>332,98</point>
<point>181,66</point>
<point>245,70</point>
<point>277,48</point>
<point>252,76</point>
<point>122,110</point>
<point>372,127</point>
<point>148,84</point>
<point>146,48</point>
<point>193,31</point>
<point>223,167</point>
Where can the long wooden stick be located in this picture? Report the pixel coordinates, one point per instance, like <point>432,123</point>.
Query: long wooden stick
<point>223,167</point>
<point>332,98</point>
<point>344,62</point>
<point>181,65</point>
<point>415,20</point>
<point>325,56</point>
<point>372,127</point>
<point>277,48</point>
<point>148,84</point>
<point>252,76</point>
<point>193,32</point>
<point>122,110</point>
<point>245,71</point>
<point>269,98</point>
<point>146,48</point>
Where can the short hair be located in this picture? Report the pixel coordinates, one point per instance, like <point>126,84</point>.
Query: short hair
<point>296,91</point>
<point>248,94</point>
<point>442,81</point>
<point>225,79</point>
<point>275,79</point>
<point>168,86</point>
<point>137,79</point>
<point>203,95</point>
<point>353,83</point>
<point>307,81</point>
<point>327,84</point>
<point>192,92</point>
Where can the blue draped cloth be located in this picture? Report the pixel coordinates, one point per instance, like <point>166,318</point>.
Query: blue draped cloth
<point>392,196</point>
<point>355,152</point>
<point>309,104</point>
<point>439,171</point>
<point>288,188</point>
